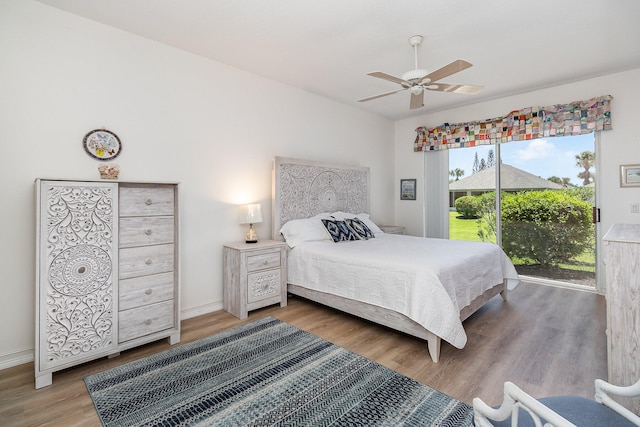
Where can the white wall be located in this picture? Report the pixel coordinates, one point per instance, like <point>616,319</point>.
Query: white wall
<point>619,146</point>
<point>180,117</point>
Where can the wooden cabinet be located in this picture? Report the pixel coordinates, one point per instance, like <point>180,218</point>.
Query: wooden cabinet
<point>255,276</point>
<point>107,274</point>
<point>622,265</point>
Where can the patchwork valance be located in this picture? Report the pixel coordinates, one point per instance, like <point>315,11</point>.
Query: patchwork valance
<point>576,118</point>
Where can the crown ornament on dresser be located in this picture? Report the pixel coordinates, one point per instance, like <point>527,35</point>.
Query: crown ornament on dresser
<point>109,171</point>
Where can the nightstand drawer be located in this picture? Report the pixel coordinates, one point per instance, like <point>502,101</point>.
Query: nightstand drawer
<point>145,320</point>
<point>263,261</point>
<point>144,200</point>
<point>145,260</point>
<point>146,230</point>
<point>263,285</point>
<point>145,290</point>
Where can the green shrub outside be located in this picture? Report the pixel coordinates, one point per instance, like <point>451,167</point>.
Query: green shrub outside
<point>467,206</point>
<point>548,227</point>
<point>588,194</point>
<point>487,214</point>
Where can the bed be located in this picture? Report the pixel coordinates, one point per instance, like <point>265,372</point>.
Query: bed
<point>420,286</point>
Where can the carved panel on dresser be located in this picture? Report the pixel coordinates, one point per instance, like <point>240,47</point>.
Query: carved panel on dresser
<point>263,285</point>
<point>77,303</point>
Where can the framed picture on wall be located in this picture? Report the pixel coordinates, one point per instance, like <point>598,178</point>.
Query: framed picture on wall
<point>407,189</point>
<point>630,176</point>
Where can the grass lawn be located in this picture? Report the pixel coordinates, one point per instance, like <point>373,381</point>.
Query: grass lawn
<point>462,229</point>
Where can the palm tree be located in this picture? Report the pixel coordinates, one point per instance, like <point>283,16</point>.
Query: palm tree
<point>456,173</point>
<point>585,160</point>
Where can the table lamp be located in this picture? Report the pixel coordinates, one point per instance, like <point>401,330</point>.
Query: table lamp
<point>251,214</point>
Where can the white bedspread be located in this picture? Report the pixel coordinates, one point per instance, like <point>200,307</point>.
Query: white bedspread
<point>427,280</point>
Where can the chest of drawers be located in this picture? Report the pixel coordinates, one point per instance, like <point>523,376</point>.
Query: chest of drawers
<point>255,276</point>
<point>107,270</point>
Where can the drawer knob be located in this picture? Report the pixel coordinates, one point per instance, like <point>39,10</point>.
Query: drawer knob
<point>148,261</point>
<point>148,232</point>
<point>147,321</point>
<point>148,291</point>
<point>148,202</point>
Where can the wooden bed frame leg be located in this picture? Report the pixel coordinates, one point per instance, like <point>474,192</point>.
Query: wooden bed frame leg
<point>504,294</point>
<point>433,342</point>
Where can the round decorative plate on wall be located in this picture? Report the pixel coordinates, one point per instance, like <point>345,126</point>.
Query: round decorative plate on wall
<point>102,144</point>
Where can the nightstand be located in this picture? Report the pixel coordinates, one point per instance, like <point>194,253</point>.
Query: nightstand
<point>255,276</point>
<point>392,229</point>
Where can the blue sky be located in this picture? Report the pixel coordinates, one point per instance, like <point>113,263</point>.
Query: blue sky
<point>544,157</point>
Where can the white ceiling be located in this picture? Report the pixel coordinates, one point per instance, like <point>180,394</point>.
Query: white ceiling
<point>327,46</point>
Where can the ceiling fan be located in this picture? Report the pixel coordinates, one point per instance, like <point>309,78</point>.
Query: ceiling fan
<point>419,80</point>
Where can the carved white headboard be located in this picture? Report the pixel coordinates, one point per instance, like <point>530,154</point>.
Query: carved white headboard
<point>303,188</point>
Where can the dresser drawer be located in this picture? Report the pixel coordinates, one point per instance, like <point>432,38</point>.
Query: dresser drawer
<point>263,261</point>
<point>145,260</point>
<point>263,285</point>
<point>146,200</point>
<point>146,230</point>
<point>145,290</point>
<point>145,320</point>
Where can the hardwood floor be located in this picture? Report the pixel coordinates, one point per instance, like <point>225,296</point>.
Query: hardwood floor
<point>547,340</point>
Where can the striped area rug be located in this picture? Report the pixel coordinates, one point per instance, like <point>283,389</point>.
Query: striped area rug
<point>266,373</point>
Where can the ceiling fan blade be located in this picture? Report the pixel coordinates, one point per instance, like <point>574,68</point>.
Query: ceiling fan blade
<point>417,100</point>
<point>381,95</point>
<point>444,87</point>
<point>447,70</point>
<point>385,76</point>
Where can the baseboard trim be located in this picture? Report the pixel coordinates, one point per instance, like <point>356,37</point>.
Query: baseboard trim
<point>21,357</point>
<point>200,310</point>
<point>15,359</point>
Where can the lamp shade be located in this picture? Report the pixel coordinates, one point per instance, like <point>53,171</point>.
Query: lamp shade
<point>250,214</point>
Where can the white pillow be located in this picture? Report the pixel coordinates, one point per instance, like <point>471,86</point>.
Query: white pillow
<point>367,221</point>
<point>297,231</point>
<point>362,216</point>
<point>342,215</point>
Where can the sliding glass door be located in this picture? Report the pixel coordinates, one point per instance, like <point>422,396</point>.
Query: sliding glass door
<point>543,219</point>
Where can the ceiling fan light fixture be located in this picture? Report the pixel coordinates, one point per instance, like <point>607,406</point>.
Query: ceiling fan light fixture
<point>414,76</point>
<point>416,90</point>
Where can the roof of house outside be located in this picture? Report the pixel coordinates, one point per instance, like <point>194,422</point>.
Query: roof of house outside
<point>511,178</point>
